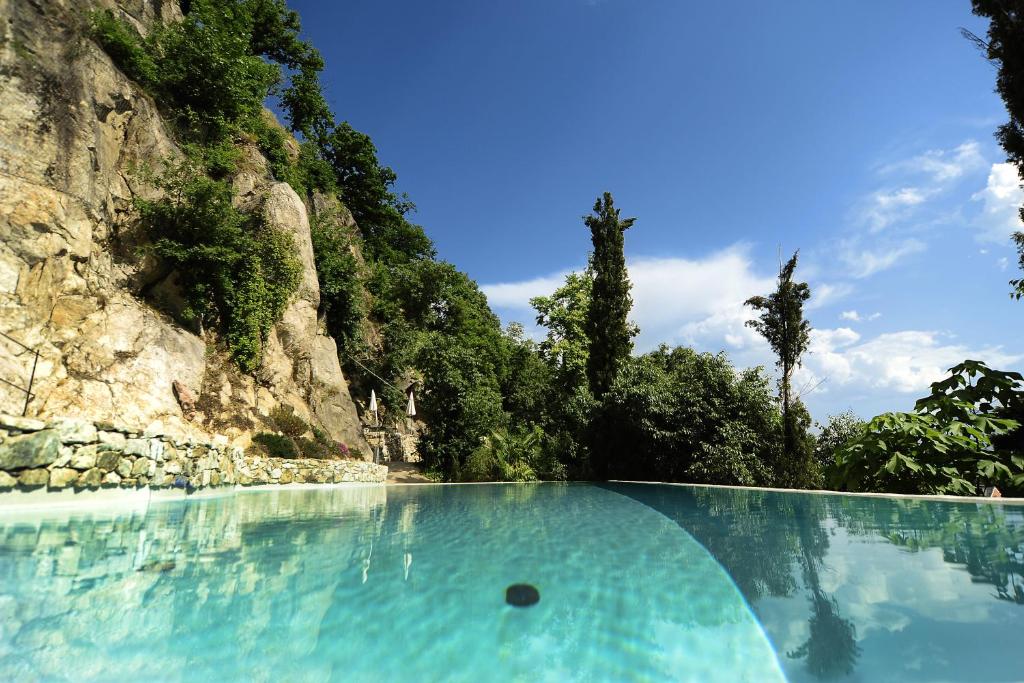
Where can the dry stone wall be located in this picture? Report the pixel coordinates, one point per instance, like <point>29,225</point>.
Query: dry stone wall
<point>78,454</point>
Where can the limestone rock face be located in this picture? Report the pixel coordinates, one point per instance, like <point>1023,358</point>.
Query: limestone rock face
<point>73,131</point>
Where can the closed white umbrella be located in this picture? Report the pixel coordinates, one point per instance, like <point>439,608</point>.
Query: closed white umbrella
<point>410,410</point>
<point>373,403</point>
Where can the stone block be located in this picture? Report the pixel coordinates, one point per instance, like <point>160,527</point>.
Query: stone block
<point>107,460</point>
<point>36,449</point>
<point>90,479</point>
<point>64,459</point>
<point>136,447</point>
<point>111,479</point>
<point>21,424</point>
<point>34,478</point>
<point>124,468</point>
<point>73,430</point>
<point>84,458</point>
<point>7,481</point>
<point>140,467</point>
<point>62,477</point>
<point>114,441</point>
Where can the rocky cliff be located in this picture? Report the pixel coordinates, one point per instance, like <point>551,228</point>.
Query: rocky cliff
<point>73,132</point>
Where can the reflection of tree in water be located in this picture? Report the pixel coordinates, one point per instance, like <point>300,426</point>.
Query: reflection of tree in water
<point>766,540</point>
<point>986,539</point>
<point>831,648</point>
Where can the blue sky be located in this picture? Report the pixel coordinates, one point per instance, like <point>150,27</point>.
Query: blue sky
<point>860,133</point>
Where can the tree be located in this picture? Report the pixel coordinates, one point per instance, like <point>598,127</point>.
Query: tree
<point>834,435</point>
<point>607,325</point>
<point>1005,49</point>
<point>461,402</point>
<point>679,415</point>
<point>564,314</point>
<point>782,323</point>
<point>948,445</point>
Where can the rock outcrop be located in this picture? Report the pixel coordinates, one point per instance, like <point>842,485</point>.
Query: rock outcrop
<point>74,130</point>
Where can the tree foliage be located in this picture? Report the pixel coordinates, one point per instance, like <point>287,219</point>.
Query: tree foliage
<point>783,325</point>
<point>566,347</point>
<point>607,325</point>
<point>946,446</point>
<point>1004,47</point>
<point>237,273</point>
<point>342,294</point>
<point>834,435</point>
<point>679,415</point>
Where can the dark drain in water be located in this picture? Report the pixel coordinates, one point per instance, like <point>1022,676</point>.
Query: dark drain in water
<point>521,595</point>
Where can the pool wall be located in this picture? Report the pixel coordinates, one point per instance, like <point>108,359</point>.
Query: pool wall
<point>78,455</point>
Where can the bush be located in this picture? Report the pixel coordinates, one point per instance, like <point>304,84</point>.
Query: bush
<point>235,271</point>
<point>125,46</point>
<point>510,456</point>
<point>277,445</point>
<point>341,287</point>
<point>287,422</point>
<point>214,69</point>
<point>950,444</point>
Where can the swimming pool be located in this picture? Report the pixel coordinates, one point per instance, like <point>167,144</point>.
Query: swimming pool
<point>636,582</point>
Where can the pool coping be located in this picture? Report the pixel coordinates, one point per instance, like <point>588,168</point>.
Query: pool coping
<point>13,503</point>
<point>42,501</point>
<point>827,492</point>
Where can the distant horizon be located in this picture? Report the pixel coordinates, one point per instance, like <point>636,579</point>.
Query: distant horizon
<point>870,149</point>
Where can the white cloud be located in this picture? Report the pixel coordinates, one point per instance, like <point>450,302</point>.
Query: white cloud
<point>855,316</point>
<point>924,178</point>
<point>827,293</point>
<point>885,207</point>
<point>942,165</point>
<point>675,300</point>
<point>1001,201</point>
<point>517,295</point>
<point>864,262</point>
<point>1004,263</point>
<point>905,361</point>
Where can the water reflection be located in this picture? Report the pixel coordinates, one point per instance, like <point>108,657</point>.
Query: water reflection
<point>372,584</point>
<point>867,588</point>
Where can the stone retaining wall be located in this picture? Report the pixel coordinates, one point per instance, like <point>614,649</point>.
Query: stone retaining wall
<point>78,454</point>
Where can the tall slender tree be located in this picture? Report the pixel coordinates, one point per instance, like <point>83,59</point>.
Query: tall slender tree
<point>783,324</point>
<point>607,325</point>
<point>1004,47</point>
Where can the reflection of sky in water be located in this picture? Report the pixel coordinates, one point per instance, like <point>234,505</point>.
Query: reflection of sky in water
<point>403,583</point>
<point>927,586</point>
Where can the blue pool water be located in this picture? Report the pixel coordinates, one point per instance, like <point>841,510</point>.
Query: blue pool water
<point>637,582</point>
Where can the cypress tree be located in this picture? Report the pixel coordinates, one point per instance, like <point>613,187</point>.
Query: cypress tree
<point>607,325</point>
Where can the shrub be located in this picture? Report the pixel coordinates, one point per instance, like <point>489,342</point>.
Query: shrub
<point>341,287</point>
<point>287,422</point>
<point>277,445</point>
<point>235,270</point>
<point>950,444</point>
<point>125,46</point>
